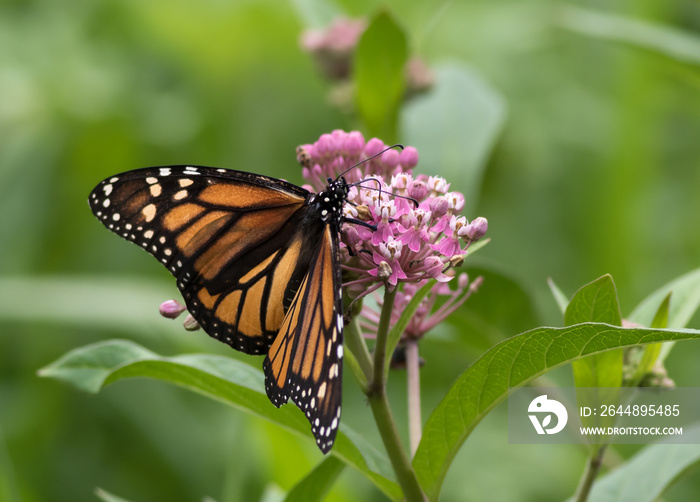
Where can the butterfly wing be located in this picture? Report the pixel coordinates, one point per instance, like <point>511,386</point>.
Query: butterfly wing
<point>232,239</point>
<point>305,360</point>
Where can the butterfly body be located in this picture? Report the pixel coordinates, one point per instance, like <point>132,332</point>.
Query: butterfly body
<point>257,262</point>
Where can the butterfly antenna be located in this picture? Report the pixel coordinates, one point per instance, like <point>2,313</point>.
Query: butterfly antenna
<point>399,146</point>
<point>357,183</point>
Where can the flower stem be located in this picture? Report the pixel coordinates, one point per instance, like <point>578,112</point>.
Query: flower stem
<point>413,384</point>
<point>376,394</point>
<point>589,474</point>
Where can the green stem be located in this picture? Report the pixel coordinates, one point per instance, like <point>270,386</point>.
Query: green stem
<point>379,380</point>
<point>362,364</point>
<point>376,394</point>
<point>589,474</point>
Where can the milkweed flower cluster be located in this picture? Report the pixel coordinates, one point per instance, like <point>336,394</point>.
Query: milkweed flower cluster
<point>420,233</point>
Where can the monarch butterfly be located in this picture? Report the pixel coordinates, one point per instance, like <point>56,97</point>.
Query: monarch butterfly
<point>257,262</point>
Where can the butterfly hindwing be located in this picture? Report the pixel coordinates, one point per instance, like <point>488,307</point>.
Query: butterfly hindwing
<point>305,360</point>
<point>230,238</point>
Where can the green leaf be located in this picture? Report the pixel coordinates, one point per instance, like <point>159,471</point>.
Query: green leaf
<point>646,476</point>
<point>513,363</point>
<point>92,367</point>
<point>653,350</point>
<point>558,294</point>
<point>597,302</point>
<point>683,46</point>
<point>455,126</point>
<point>400,326</point>
<point>686,300</point>
<point>316,484</point>
<point>379,64</point>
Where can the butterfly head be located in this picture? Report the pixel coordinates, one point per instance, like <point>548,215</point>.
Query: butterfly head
<point>329,202</point>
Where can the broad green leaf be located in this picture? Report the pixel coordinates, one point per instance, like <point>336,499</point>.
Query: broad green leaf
<point>558,294</point>
<point>92,367</point>
<point>686,300</point>
<point>400,326</point>
<point>597,302</point>
<point>455,126</point>
<point>651,351</point>
<point>683,46</point>
<point>318,482</point>
<point>512,363</point>
<point>379,64</point>
<point>646,476</point>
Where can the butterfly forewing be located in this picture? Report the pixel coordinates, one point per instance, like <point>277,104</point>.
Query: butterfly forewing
<point>257,262</point>
<point>231,239</point>
<point>305,360</point>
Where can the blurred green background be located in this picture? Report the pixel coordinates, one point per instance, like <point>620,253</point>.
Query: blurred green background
<point>595,170</point>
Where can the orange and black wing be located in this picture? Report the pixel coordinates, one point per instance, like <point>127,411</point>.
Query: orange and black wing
<point>232,239</point>
<point>305,360</point>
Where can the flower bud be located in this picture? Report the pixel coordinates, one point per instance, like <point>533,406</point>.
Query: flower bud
<point>408,158</point>
<point>390,159</point>
<point>457,260</point>
<point>304,155</point>
<point>418,190</point>
<point>438,206</point>
<point>354,143</point>
<point>477,228</point>
<point>191,323</point>
<point>384,271</point>
<point>373,147</point>
<point>171,309</point>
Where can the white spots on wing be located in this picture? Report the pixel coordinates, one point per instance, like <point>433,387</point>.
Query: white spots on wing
<point>340,351</point>
<point>167,252</point>
<point>162,239</point>
<point>151,180</point>
<point>180,195</point>
<point>116,216</point>
<point>108,189</point>
<point>105,203</point>
<point>221,170</point>
<point>148,234</point>
<point>185,182</point>
<point>114,180</point>
<point>321,392</point>
<point>128,226</point>
<point>156,190</point>
<point>165,171</point>
<point>333,372</point>
<point>324,212</point>
<point>191,170</point>
<point>329,347</point>
<point>149,212</point>
<point>313,399</point>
